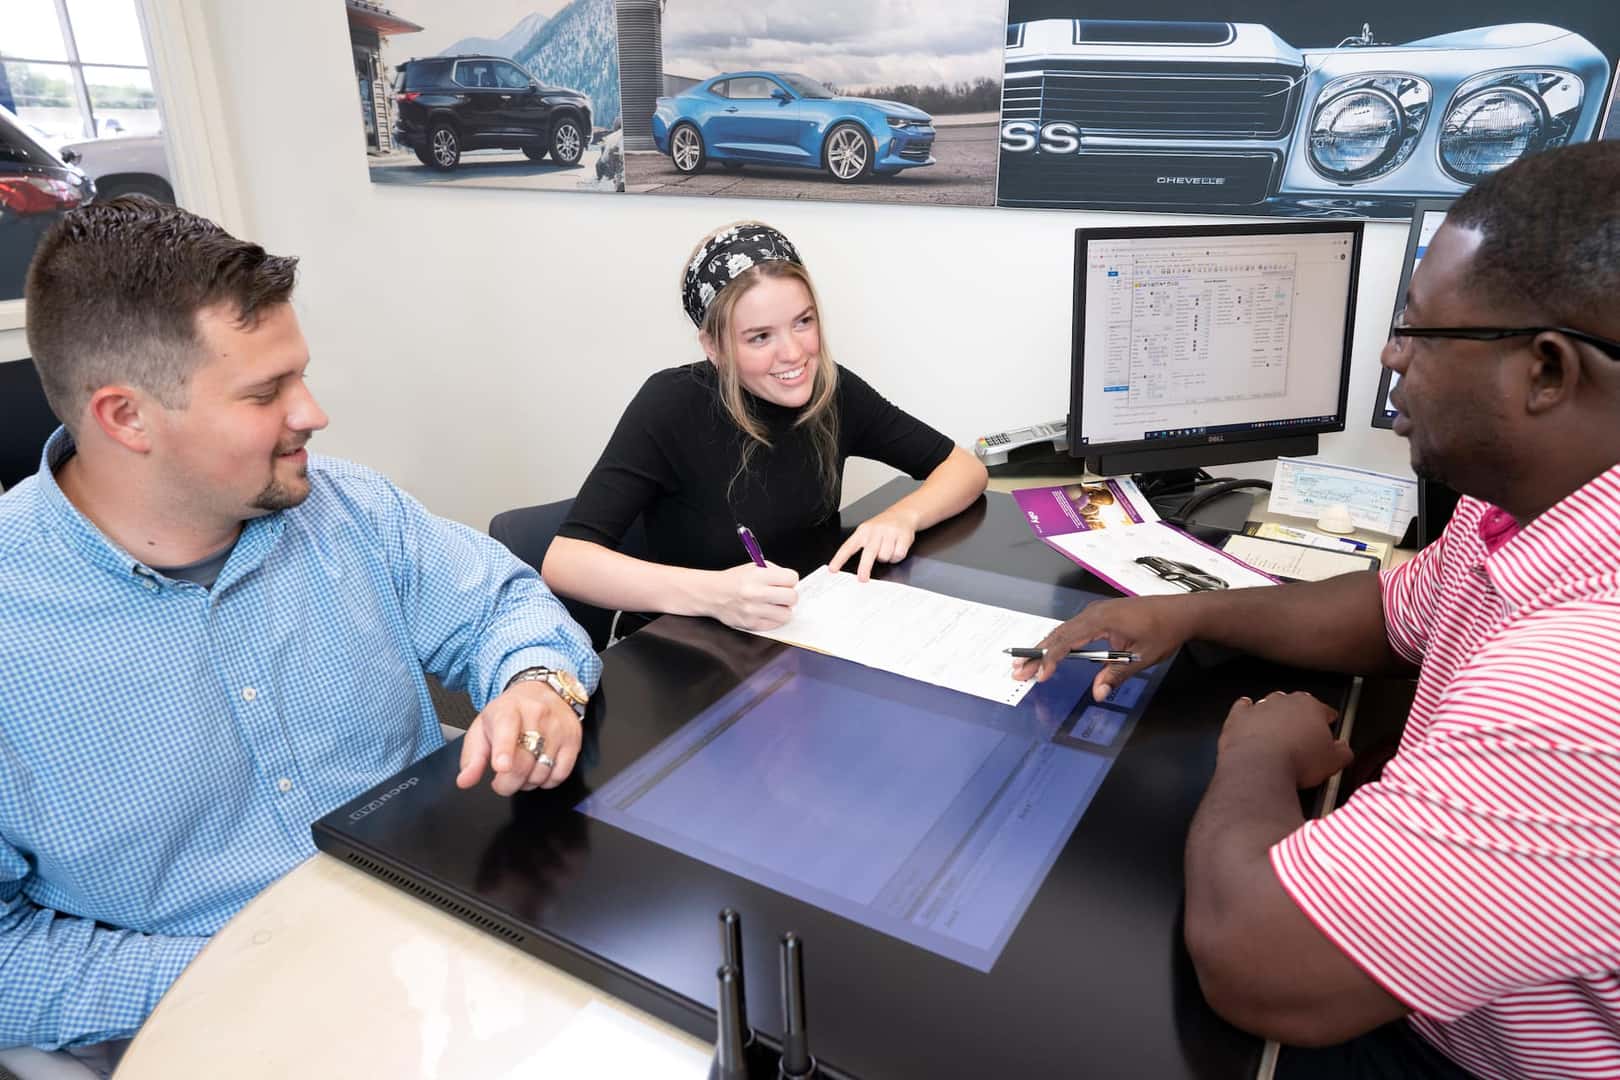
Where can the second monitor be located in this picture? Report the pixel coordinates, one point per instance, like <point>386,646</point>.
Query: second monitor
<point>1208,345</point>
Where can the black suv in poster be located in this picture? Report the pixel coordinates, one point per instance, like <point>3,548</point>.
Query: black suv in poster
<point>449,104</point>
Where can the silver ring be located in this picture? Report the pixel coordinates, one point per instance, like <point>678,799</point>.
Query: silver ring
<point>532,741</point>
<point>544,759</point>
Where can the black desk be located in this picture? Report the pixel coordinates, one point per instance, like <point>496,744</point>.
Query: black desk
<point>1094,982</point>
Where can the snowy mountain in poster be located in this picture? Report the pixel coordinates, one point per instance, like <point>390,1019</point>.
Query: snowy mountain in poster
<point>506,45</point>
<point>578,48</point>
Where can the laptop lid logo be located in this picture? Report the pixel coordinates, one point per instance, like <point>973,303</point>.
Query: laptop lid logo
<point>377,803</point>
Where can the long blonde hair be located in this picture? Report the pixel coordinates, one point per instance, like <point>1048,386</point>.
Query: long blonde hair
<point>819,415</point>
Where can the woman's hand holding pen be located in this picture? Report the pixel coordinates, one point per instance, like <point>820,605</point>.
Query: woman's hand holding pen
<point>886,537</point>
<point>751,597</point>
<point>1153,627</point>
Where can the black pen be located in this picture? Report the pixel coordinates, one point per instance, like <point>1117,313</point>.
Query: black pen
<point>1102,656</point>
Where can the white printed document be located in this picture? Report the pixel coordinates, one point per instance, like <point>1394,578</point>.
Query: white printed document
<point>922,635</point>
<point>1299,562</point>
<point>1378,501</point>
<point>1276,530</point>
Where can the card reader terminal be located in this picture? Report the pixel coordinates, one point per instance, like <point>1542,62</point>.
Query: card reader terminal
<point>994,449</point>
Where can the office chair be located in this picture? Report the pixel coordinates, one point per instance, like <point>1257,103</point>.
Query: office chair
<point>527,533</point>
<point>26,421</point>
<point>1435,505</point>
<point>27,1063</point>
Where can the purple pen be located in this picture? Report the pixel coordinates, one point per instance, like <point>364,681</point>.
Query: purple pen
<point>751,544</point>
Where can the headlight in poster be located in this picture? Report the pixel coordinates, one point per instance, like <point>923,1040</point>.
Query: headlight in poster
<point>1366,125</point>
<point>1496,118</point>
<point>1132,111</point>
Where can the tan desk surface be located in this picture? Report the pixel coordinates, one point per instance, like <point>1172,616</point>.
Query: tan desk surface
<point>331,973</point>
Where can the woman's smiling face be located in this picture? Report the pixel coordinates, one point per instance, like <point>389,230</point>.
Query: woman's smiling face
<point>776,341</point>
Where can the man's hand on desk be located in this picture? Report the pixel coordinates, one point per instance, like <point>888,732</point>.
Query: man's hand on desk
<point>493,740</point>
<point>1293,726</point>
<point>1153,627</point>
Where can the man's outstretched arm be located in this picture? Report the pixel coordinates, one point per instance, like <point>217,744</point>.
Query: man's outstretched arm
<point>70,981</point>
<point>1332,625</point>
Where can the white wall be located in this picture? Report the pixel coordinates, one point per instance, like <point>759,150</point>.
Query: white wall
<point>12,345</point>
<point>479,345</point>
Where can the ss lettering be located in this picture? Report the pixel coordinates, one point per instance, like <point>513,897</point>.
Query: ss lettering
<point>1025,136</point>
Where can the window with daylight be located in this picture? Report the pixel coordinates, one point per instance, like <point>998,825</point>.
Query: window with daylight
<point>79,118</point>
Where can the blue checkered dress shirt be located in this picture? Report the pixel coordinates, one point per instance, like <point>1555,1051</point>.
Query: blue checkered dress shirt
<point>164,747</point>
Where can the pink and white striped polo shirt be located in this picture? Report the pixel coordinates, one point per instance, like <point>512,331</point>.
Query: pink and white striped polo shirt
<point>1478,881</point>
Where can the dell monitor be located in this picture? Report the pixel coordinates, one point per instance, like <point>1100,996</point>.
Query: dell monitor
<point>1427,217</point>
<point>1207,345</point>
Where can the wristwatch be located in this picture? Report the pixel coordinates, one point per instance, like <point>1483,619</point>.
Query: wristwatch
<point>567,686</point>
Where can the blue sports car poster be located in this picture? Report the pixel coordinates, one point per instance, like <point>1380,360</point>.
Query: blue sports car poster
<point>873,101</point>
<point>1271,107</point>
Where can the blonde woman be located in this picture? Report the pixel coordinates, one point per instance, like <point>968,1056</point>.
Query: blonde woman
<point>756,434</point>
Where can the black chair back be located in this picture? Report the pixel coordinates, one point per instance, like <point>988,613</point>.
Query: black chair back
<point>26,421</point>
<point>1435,504</point>
<point>527,533</point>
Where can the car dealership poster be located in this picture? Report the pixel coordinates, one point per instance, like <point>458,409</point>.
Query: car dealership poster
<point>865,100</point>
<point>1272,107</point>
<point>491,93</point>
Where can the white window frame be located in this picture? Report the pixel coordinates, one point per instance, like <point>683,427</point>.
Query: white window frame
<point>196,136</point>
<point>76,65</point>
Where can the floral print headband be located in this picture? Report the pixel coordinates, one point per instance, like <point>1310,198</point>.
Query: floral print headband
<point>724,257</point>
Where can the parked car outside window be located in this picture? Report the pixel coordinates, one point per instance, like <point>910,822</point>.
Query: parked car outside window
<point>125,165</point>
<point>37,188</point>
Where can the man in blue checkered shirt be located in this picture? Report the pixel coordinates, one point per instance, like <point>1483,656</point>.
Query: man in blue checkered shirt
<point>208,639</point>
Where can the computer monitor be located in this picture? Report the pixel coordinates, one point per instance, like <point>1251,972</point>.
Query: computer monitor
<point>1427,217</point>
<point>1207,345</point>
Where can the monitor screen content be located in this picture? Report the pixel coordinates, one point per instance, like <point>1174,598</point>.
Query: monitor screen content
<point>1204,336</point>
<point>1425,223</point>
<point>916,811</point>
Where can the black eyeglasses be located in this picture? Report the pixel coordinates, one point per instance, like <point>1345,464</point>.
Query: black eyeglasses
<point>1400,330</point>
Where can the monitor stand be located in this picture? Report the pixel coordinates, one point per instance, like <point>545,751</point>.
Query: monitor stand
<point>1168,483</point>
<point>1170,477</point>
<point>1187,496</point>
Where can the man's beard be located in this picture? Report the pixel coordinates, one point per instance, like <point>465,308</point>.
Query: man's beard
<point>278,496</point>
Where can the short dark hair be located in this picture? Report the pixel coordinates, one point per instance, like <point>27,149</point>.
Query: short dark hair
<point>1549,234</point>
<point>114,291</point>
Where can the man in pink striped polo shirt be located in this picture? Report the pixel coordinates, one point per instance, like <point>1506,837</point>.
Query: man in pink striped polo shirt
<point>1460,916</point>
